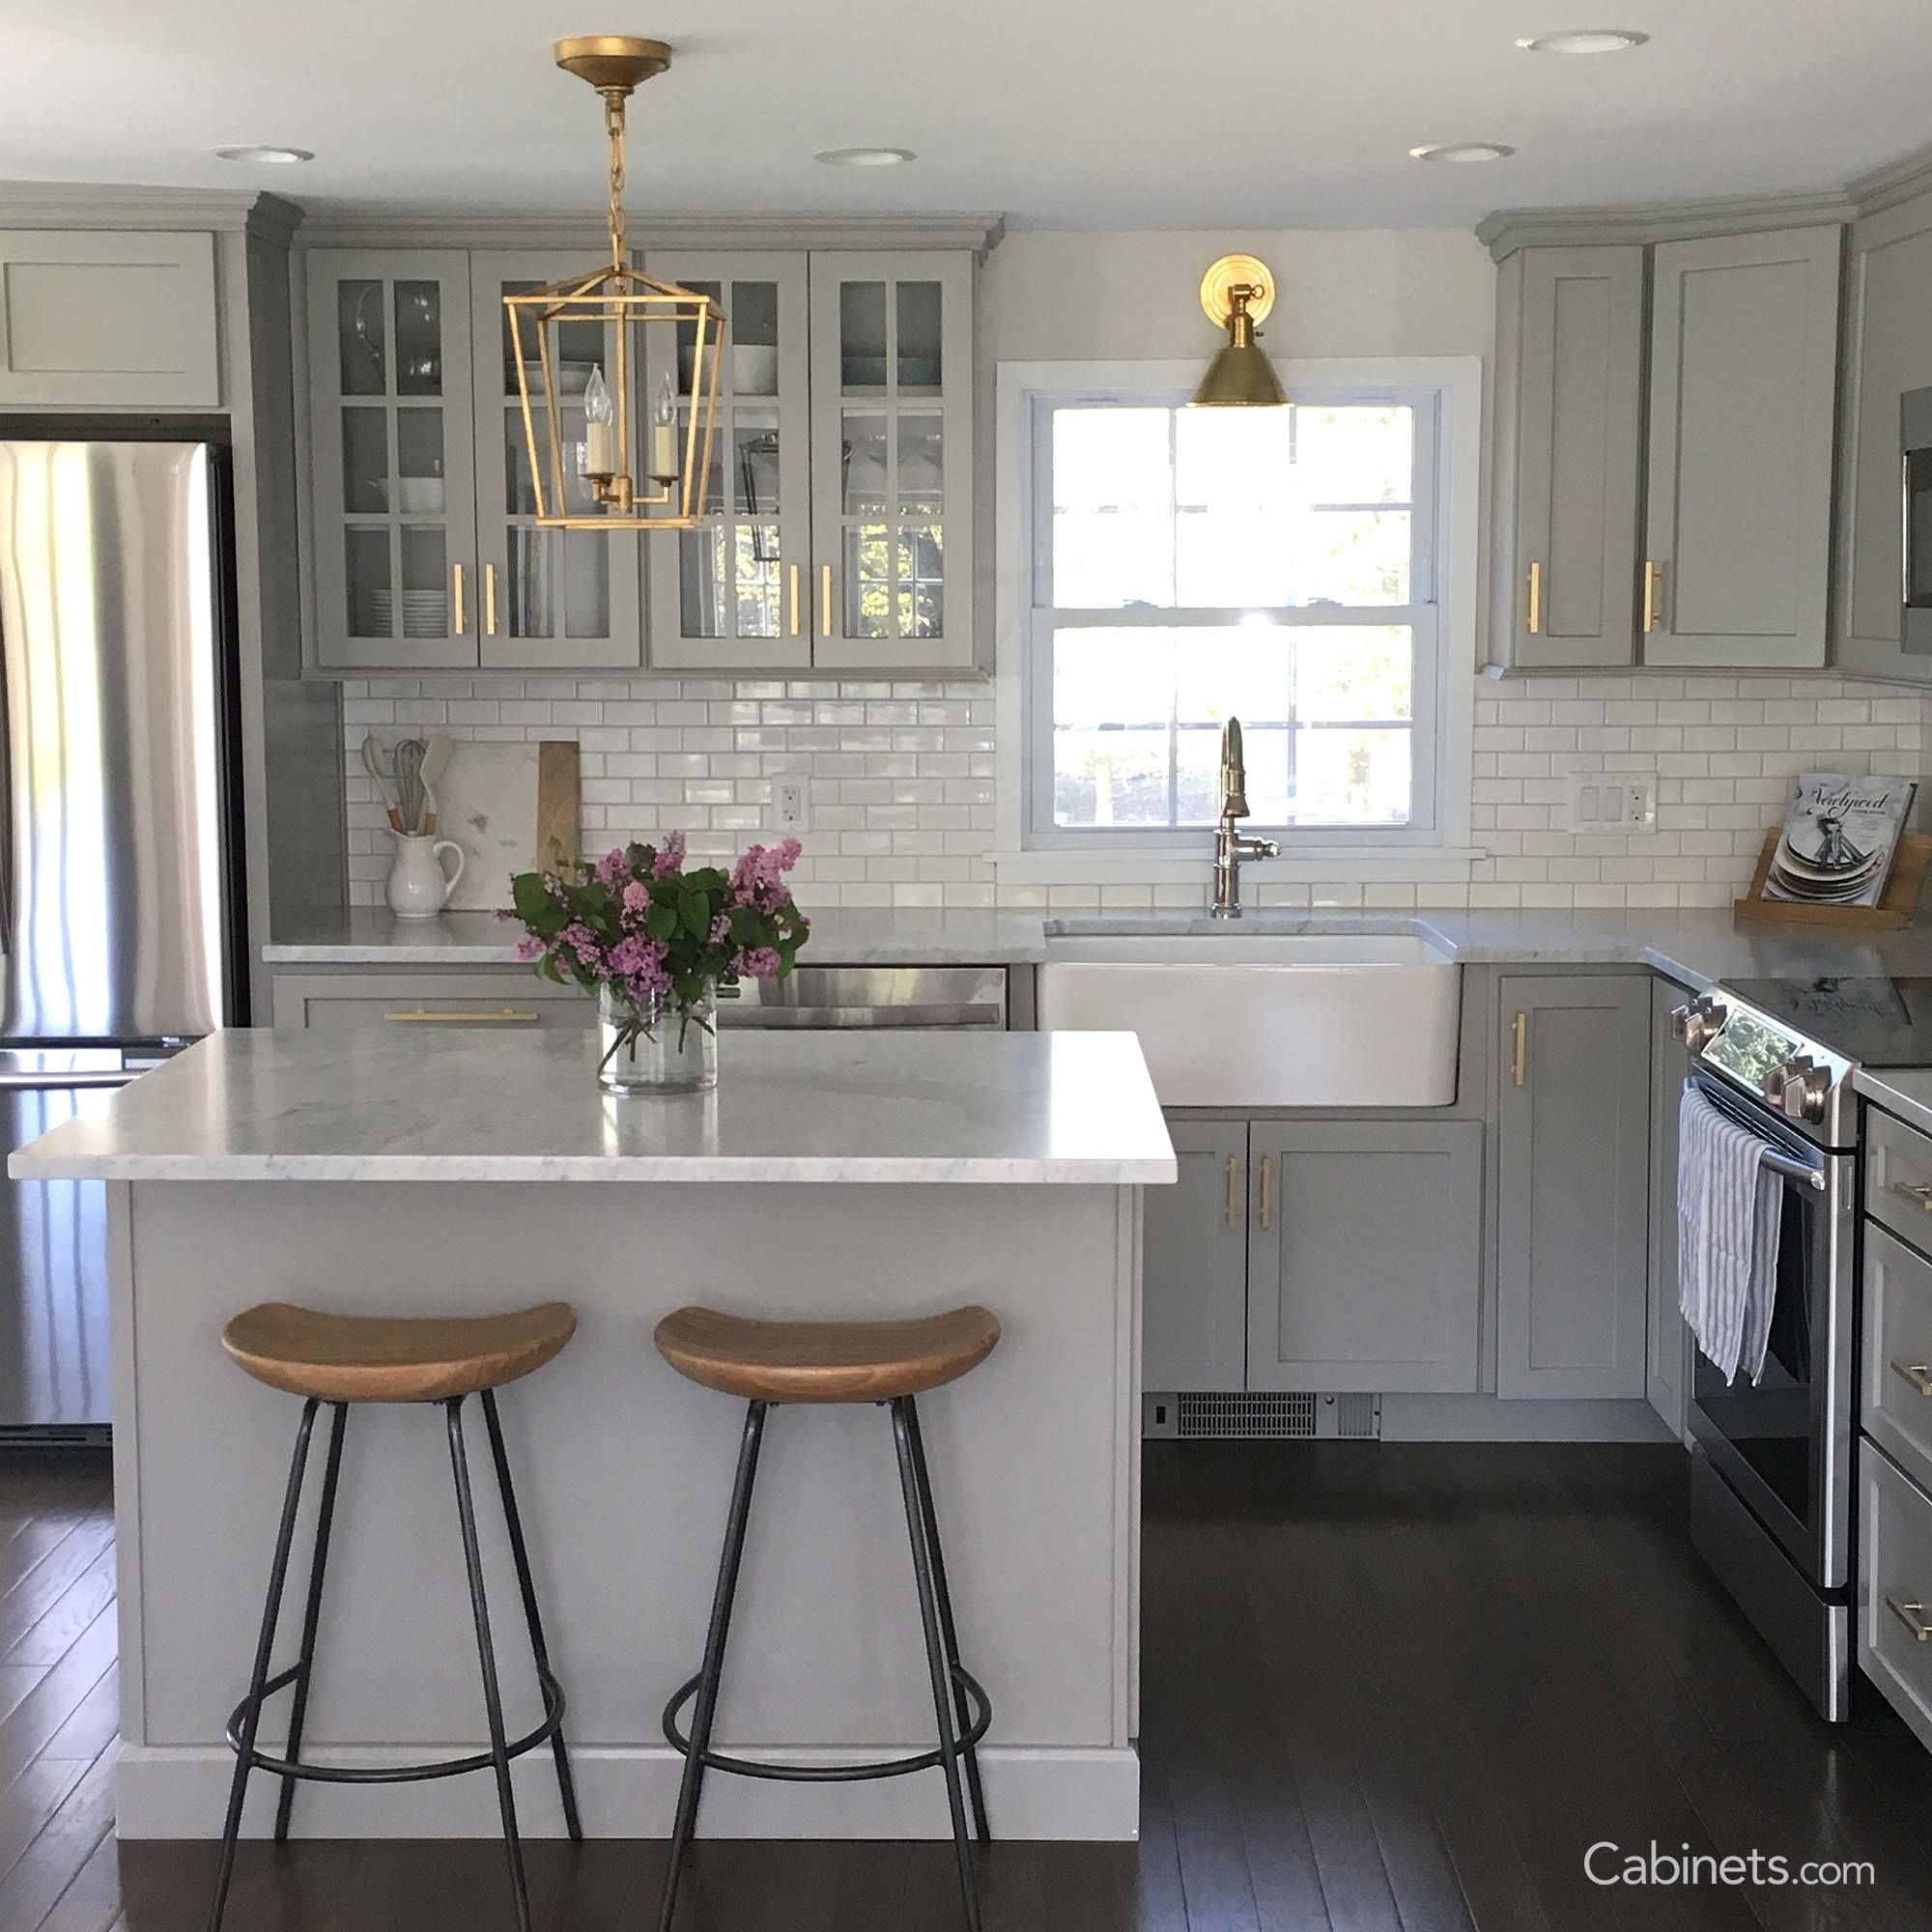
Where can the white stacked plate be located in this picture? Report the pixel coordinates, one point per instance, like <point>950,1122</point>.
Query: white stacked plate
<point>425,612</point>
<point>1801,878</point>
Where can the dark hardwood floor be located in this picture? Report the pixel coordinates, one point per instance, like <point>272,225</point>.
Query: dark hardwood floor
<point>1387,1690</point>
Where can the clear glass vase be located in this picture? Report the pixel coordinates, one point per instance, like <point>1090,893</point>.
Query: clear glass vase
<point>655,1047</point>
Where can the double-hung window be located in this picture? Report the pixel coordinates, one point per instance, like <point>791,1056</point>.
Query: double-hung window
<point>1190,565</point>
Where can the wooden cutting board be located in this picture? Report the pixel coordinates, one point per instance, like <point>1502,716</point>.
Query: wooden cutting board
<point>512,809</point>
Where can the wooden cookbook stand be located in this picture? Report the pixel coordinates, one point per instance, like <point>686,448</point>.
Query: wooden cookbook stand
<point>1895,910</point>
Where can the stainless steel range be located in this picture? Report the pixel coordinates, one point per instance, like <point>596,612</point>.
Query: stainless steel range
<point>1772,1475</point>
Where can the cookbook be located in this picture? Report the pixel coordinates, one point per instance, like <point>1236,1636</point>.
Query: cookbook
<point>1841,836</point>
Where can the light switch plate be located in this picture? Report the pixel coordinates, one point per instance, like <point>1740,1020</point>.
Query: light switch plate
<point>1606,801</point>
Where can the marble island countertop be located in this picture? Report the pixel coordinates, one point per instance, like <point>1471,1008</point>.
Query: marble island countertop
<point>255,1104</point>
<point>1697,948</point>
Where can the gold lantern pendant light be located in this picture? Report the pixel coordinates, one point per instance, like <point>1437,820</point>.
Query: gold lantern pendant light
<point>627,305</point>
<point>1237,293</point>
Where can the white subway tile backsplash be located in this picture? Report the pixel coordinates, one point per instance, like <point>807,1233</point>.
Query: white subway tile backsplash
<point>900,780</point>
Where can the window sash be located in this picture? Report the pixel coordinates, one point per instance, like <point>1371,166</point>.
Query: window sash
<point>1044,834</point>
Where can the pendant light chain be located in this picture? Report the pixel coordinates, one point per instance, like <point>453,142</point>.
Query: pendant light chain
<point>613,125</point>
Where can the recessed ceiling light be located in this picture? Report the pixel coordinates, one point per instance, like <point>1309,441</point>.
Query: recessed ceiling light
<point>864,157</point>
<point>262,157</point>
<point>1463,151</point>
<point>1584,41</point>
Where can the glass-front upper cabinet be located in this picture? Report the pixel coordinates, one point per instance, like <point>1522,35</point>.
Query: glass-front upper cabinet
<point>392,479</point>
<point>734,593</point>
<point>892,441</point>
<point>563,599</point>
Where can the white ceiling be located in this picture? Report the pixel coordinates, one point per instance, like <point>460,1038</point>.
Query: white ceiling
<point>1061,113</point>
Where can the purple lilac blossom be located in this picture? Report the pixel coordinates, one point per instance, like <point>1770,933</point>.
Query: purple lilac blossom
<point>636,898</point>
<point>755,962</point>
<point>611,866</point>
<point>756,878</point>
<point>670,854</point>
<point>530,948</point>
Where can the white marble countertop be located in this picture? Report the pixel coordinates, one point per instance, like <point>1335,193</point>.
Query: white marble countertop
<point>1697,948</point>
<point>254,1104</point>
<point>1904,1091</point>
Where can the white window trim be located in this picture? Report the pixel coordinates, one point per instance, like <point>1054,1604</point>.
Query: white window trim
<point>1443,854</point>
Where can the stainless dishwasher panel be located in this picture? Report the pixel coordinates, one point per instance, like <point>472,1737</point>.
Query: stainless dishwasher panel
<point>835,997</point>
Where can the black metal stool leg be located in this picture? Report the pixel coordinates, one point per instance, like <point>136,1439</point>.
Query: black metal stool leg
<point>962,1715</point>
<point>935,1656</point>
<point>714,1655</point>
<point>323,1522</point>
<point>264,1645</point>
<point>566,1784</point>
<point>492,1696</point>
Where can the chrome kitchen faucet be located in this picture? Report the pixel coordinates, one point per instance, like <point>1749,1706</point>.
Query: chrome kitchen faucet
<point>1230,847</point>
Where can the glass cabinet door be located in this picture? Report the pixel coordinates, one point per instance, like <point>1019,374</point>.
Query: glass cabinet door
<point>735,592</point>
<point>553,599</point>
<point>392,481</point>
<point>891,460</point>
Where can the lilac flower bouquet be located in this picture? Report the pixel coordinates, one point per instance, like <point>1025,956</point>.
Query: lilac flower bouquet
<point>651,941</point>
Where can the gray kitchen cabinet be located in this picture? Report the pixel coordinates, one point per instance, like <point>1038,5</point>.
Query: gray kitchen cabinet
<point>735,593</point>
<point>1365,1255</point>
<point>1195,1261</point>
<point>1567,439</point>
<point>392,503</point>
<point>1668,1362</point>
<point>551,599</point>
<point>107,319</point>
<point>501,999</point>
<point>891,460</point>
<point>1573,1184</point>
<point>1742,401</point>
<point>1887,350</point>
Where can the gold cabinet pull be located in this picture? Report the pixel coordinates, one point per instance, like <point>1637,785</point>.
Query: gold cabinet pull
<point>825,601</point>
<point>489,600</point>
<point>1912,1617</point>
<point>503,1017</point>
<point>1519,1055</point>
<point>795,574</point>
<point>1653,583</point>
<point>1535,598</point>
<point>1267,1193</point>
<point>1234,1184</point>
<point>456,579</point>
<point>1915,1372</point>
<point>1920,1197</point>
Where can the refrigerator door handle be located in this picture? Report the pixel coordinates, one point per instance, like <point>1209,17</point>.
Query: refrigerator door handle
<point>61,1083</point>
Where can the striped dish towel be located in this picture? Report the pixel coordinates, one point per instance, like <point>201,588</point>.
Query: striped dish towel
<point>1727,1214</point>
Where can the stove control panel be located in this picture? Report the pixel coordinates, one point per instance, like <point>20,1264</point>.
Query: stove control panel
<point>1800,1089</point>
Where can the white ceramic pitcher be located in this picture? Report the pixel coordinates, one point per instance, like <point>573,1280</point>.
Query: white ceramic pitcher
<point>418,886</point>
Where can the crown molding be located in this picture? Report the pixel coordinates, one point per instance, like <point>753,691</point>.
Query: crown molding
<point>1897,180</point>
<point>26,204</point>
<point>340,224</point>
<point>1509,229</point>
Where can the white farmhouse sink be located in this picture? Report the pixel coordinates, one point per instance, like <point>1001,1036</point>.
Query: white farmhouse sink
<point>1267,1020</point>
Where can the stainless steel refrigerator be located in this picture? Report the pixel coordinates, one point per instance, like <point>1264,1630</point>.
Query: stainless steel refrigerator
<point>120,916</point>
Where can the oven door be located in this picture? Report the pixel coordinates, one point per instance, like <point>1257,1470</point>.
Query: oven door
<point>1784,1445</point>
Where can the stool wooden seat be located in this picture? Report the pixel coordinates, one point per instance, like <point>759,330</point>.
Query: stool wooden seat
<point>826,1361</point>
<point>380,1358</point>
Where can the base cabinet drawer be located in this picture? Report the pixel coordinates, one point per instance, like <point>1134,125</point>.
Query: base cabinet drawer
<point>1895,1406</point>
<point>1895,1588</point>
<point>1898,1177</point>
<point>400,1003</point>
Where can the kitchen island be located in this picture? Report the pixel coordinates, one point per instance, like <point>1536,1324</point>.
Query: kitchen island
<point>826,1177</point>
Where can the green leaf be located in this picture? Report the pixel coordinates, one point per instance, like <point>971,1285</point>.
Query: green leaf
<point>529,897</point>
<point>696,914</point>
<point>661,922</point>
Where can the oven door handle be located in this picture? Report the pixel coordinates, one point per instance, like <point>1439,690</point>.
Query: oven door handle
<point>1772,1156</point>
<point>1795,1170</point>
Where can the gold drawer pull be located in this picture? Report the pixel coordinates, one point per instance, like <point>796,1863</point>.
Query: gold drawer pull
<point>1521,1049</point>
<point>1912,1617</point>
<point>1915,1372</point>
<point>1920,1197</point>
<point>503,1017</point>
<point>1234,1182</point>
<point>1535,598</point>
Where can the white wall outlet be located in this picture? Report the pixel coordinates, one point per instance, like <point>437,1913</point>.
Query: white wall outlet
<point>789,801</point>
<point>1601,802</point>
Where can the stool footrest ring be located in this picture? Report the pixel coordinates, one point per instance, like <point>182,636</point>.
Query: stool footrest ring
<point>391,1774</point>
<point>830,1774</point>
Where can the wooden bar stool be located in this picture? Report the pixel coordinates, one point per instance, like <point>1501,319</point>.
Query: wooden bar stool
<point>340,1359</point>
<point>884,1362</point>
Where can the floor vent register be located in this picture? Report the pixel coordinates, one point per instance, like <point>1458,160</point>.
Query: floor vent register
<point>1262,1414</point>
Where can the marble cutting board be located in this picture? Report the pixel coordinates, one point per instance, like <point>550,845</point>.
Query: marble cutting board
<point>511,808</point>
